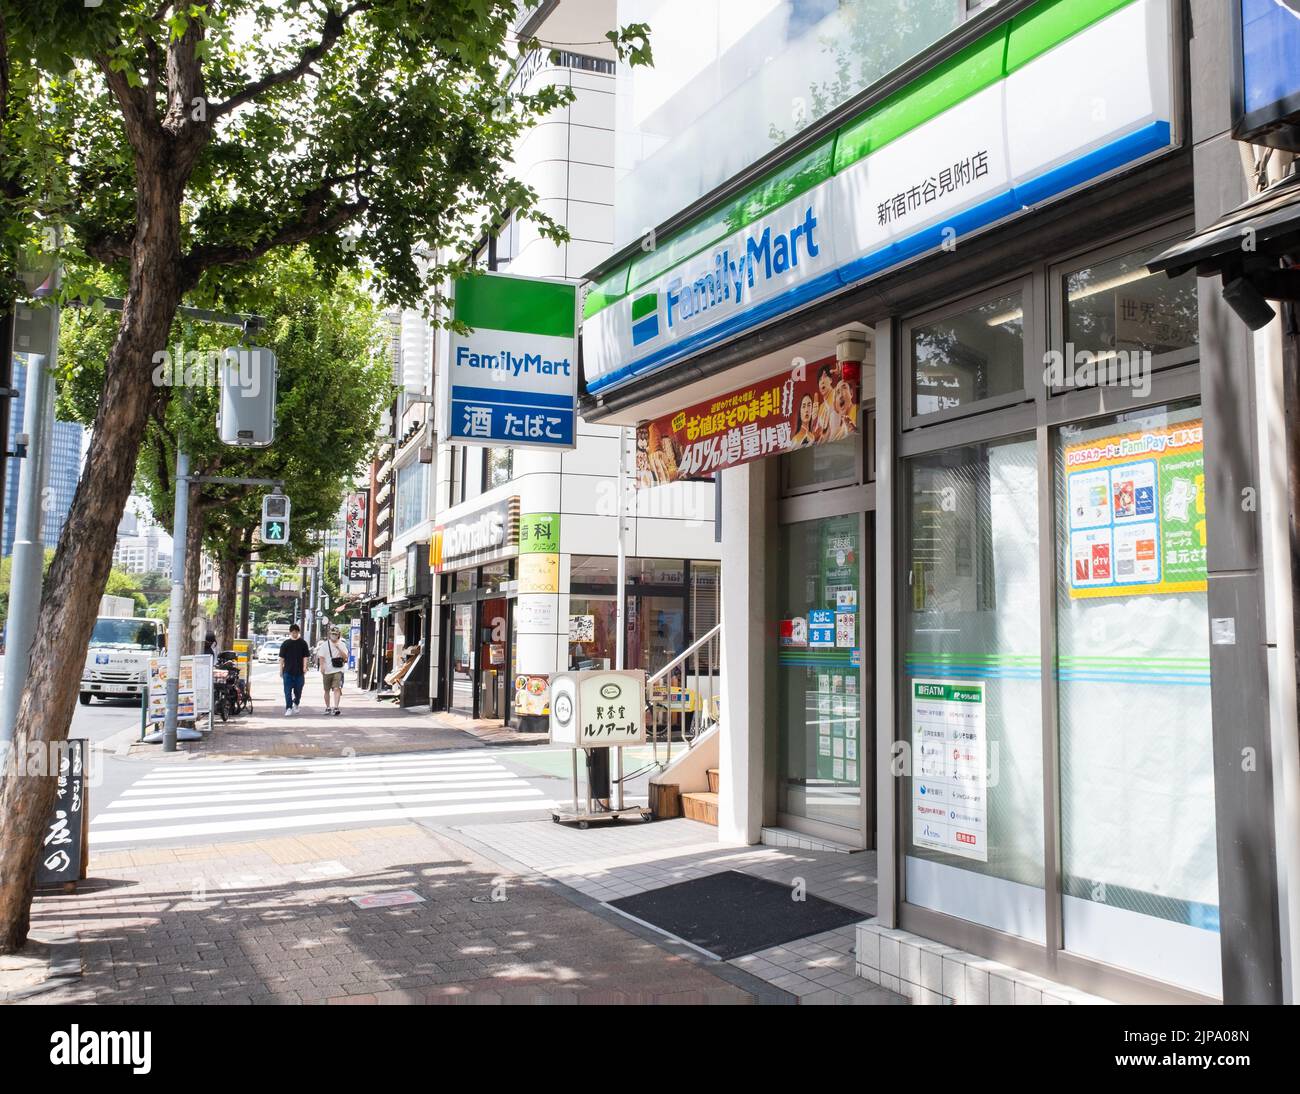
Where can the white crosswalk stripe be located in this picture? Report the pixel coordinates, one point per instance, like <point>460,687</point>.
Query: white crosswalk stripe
<point>278,795</point>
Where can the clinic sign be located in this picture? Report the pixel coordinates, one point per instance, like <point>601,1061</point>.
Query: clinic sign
<point>1039,108</point>
<point>512,379</point>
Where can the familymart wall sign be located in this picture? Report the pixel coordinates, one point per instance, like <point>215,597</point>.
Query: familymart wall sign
<point>513,378</point>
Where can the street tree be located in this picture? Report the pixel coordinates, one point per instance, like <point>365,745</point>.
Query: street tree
<point>181,141</point>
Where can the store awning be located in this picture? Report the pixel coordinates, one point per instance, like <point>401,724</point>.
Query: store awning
<point>1251,247</point>
<point>1263,228</point>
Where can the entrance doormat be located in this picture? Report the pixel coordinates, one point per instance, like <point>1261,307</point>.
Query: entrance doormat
<point>731,914</point>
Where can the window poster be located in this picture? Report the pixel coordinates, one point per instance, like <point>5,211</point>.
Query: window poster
<point>1136,513</point>
<point>950,767</point>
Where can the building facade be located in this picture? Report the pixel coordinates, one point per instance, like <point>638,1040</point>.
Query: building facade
<point>525,542</point>
<point>996,497</point>
<point>65,469</point>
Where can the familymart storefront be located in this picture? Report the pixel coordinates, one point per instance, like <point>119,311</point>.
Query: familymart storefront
<point>966,496</point>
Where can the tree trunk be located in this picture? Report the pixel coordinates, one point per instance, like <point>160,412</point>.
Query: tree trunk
<point>84,556</point>
<point>228,602</point>
<point>196,624</point>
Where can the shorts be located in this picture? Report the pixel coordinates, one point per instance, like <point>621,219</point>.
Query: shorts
<point>332,680</point>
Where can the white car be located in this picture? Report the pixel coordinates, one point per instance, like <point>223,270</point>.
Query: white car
<point>268,653</point>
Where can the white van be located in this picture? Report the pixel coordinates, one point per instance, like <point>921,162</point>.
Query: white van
<point>117,662</point>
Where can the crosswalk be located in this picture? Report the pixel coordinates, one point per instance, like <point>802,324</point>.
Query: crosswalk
<point>268,796</point>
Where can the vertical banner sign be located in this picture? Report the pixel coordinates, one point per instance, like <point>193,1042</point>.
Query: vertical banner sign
<point>1136,515</point>
<point>949,768</point>
<point>539,557</point>
<point>64,848</point>
<point>358,506</point>
<point>512,380</point>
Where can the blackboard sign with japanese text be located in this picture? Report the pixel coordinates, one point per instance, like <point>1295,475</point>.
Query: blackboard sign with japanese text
<point>63,846</point>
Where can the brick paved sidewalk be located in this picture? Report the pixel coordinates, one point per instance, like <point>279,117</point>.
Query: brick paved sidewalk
<point>617,861</point>
<point>365,727</point>
<point>270,921</point>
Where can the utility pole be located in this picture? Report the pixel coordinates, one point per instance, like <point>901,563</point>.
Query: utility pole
<point>38,330</point>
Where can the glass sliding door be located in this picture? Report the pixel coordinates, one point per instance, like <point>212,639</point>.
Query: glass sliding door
<point>971,701</point>
<point>462,658</point>
<point>1139,872</point>
<point>819,683</point>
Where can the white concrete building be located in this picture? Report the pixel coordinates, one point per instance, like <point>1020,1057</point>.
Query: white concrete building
<point>491,645</point>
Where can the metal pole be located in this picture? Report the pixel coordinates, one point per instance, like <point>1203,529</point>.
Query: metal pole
<point>245,579</point>
<point>26,577</point>
<point>176,621</point>
<point>620,609</point>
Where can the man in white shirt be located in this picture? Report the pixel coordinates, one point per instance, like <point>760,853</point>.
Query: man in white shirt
<point>332,657</point>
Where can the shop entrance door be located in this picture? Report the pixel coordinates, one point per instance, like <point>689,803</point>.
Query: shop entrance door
<point>462,658</point>
<point>825,745</point>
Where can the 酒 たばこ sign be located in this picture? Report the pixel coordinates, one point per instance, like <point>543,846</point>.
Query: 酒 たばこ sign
<point>512,380</point>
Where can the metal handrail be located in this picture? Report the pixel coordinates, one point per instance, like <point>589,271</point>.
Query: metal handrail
<point>703,708</point>
<point>684,655</point>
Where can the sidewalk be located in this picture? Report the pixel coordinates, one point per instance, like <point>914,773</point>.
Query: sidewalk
<point>606,863</point>
<point>365,727</point>
<point>273,921</point>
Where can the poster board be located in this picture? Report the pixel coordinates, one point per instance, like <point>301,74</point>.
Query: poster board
<point>950,767</point>
<point>1135,513</point>
<point>195,697</point>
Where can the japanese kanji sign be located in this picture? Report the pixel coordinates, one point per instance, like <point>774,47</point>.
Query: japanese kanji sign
<point>512,380</point>
<point>598,708</point>
<point>63,847</point>
<point>813,403</point>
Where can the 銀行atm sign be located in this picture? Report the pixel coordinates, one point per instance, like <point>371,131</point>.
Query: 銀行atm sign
<point>513,378</point>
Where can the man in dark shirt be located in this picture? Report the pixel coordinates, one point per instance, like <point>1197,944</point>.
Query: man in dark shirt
<point>294,653</point>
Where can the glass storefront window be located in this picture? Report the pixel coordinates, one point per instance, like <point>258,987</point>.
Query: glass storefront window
<point>495,576</point>
<point>819,686</point>
<point>971,704</point>
<point>498,467</point>
<point>1116,306</point>
<point>412,494</point>
<point>1138,858</point>
<point>592,632</point>
<point>977,354</point>
<point>822,463</point>
<point>462,658</point>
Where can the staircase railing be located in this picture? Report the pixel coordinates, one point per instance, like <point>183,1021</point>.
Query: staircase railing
<point>687,692</point>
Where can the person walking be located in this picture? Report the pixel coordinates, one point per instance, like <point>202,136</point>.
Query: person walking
<point>294,655</point>
<point>332,656</point>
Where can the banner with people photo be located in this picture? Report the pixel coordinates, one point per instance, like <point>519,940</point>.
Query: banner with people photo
<point>813,403</point>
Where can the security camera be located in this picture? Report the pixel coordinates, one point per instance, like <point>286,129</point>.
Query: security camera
<point>1249,303</point>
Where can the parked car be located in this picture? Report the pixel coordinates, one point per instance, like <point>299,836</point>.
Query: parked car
<point>268,653</point>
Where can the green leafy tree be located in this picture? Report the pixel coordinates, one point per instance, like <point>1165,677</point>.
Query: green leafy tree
<point>180,142</point>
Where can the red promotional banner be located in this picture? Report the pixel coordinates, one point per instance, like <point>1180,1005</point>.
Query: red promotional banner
<point>811,404</point>
<point>358,506</point>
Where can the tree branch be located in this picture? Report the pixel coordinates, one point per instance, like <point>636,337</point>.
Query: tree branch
<point>313,222</point>
<point>335,24</point>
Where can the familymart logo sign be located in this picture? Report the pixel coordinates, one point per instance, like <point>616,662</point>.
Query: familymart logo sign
<point>737,274</point>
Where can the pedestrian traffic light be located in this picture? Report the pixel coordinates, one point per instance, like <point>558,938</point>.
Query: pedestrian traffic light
<point>275,519</point>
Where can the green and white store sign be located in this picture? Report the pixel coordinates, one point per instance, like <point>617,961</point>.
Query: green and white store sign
<point>1056,98</point>
<point>513,379</point>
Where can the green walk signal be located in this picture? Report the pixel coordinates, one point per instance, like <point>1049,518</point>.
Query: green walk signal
<point>275,519</point>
